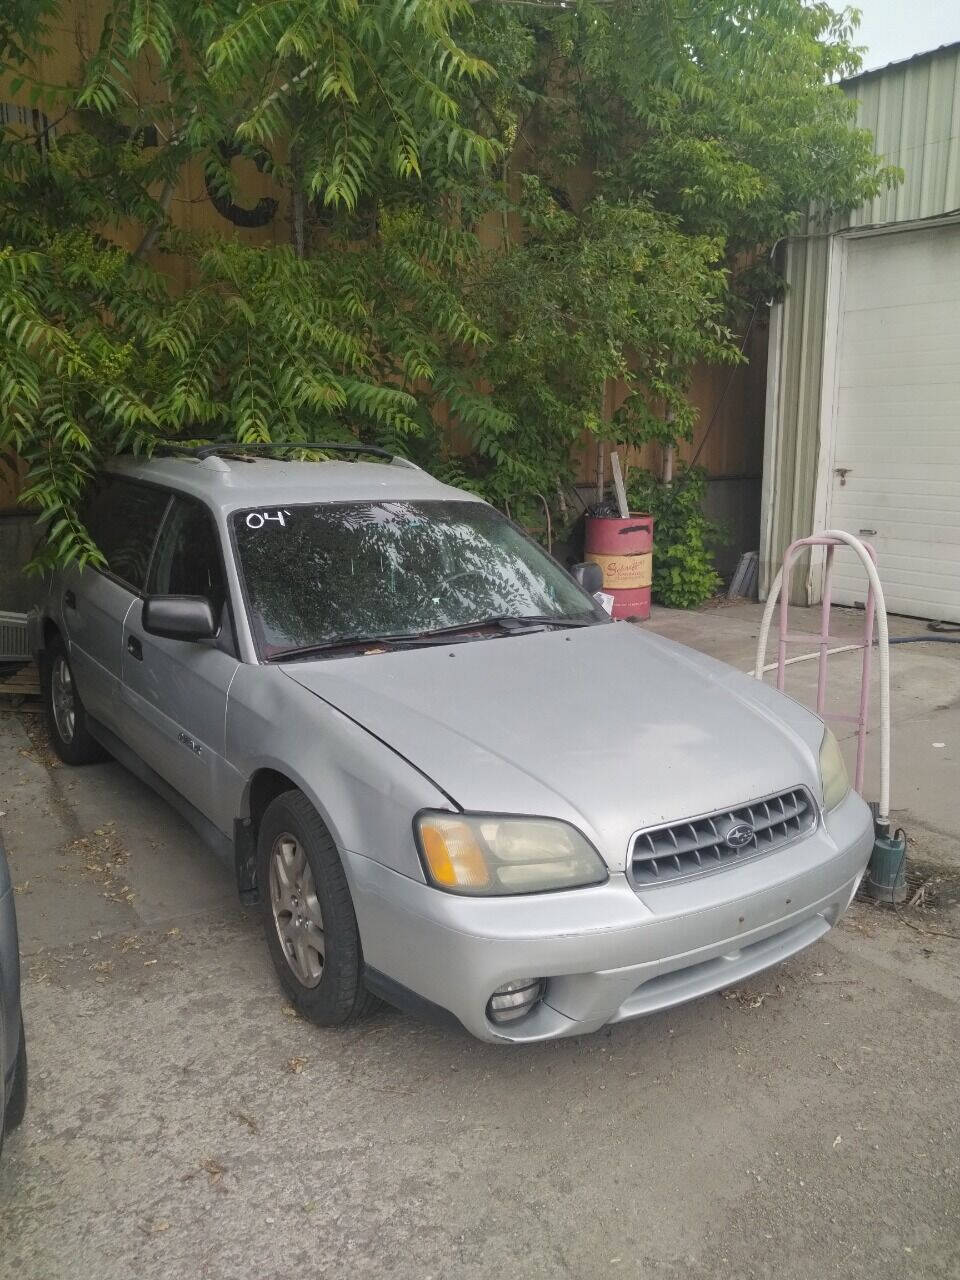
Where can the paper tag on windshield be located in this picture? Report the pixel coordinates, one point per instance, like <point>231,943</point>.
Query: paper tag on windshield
<point>604,600</point>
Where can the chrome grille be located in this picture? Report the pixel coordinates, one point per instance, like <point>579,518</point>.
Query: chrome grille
<point>682,850</point>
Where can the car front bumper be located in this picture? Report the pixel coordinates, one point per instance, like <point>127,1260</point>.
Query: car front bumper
<point>607,953</point>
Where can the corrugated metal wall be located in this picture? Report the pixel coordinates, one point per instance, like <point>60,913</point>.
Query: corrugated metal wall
<point>913,110</point>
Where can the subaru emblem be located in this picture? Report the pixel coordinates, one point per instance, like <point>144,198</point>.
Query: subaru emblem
<point>739,835</point>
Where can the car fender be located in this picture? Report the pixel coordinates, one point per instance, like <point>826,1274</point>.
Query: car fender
<point>365,791</point>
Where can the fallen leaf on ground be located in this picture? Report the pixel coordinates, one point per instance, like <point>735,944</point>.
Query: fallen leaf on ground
<point>131,941</point>
<point>746,999</point>
<point>296,1065</point>
<point>247,1120</point>
<point>157,1228</point>
<point>214,1168</point>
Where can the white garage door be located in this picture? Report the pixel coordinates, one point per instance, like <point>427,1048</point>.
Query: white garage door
<point>896,454</point>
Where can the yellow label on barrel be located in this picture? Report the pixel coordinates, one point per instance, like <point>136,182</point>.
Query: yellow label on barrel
<point>624,573</point>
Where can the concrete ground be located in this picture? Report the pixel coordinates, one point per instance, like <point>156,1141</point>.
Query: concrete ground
<point>183,1123</point>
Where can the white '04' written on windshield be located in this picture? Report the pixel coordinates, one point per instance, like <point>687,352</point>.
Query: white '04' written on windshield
<point>257,519</point>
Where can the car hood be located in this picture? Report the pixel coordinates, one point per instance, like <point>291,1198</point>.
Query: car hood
<point>608,727</point>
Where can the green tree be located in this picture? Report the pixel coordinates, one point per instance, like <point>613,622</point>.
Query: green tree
<point>657,150</point>
<point>633,154</point>
<point>344,105</point>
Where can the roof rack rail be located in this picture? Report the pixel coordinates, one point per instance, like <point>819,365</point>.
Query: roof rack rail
<point>332,446</point>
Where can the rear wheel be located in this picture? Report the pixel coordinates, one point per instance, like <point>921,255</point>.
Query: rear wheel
<point>66,716</point>
<point>308,915</point>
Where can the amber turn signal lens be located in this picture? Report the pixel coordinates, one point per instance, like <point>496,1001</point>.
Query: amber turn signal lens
<point>453,856</point>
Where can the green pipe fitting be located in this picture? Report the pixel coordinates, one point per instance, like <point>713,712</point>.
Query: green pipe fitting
<point>886,878</point>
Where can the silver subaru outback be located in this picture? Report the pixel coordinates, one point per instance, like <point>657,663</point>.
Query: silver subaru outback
<point>446,776</point>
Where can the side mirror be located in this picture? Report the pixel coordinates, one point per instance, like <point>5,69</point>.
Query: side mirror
<point>179,617</point>
<point>590,577</point>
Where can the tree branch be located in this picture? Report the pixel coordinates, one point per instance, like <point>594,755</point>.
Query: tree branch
<point>150,236</point>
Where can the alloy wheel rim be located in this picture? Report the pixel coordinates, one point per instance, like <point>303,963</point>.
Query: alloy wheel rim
<point>64,700</point>
<point>296,910</point>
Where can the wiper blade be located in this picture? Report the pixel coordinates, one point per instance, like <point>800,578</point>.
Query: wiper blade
<point>342,642</point>
<point>509,622</point>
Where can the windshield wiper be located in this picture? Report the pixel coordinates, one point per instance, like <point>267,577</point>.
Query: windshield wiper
<point>509,624</point>
<point>342,642</point>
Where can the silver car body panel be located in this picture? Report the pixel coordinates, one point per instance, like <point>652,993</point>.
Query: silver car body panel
<point>606,953</point>
<point>608,727</point>
<point>91,608</point>
<point>174,699</point>
<point>365,790</point>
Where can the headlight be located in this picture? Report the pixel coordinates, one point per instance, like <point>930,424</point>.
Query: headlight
<point>485,854</point>
<point>833,772</point>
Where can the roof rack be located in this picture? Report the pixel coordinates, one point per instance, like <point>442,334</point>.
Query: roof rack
<point>326,446</point>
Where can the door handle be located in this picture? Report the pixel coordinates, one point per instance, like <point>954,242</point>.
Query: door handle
<point>69,599</point>
<point>135,648</point>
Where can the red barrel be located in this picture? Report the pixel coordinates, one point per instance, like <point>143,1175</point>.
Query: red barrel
<point>624,551</point>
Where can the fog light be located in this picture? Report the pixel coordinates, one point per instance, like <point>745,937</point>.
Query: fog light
<point>514,999</point>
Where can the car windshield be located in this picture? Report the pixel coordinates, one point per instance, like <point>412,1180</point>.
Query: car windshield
<point>316,575</point>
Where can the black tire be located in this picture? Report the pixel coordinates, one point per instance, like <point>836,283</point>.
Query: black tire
<point>77,746</point>
<point>3,1080</point>
<point>17,1102</point>
<point>336,996</point>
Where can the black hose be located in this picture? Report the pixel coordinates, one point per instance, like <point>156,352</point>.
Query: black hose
<point>925,639</point>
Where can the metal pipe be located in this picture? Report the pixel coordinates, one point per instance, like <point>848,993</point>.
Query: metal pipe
<point>776,592</point>
<point>824,632</point>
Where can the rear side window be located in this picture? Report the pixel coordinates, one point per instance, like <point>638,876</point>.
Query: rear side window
<point>123,519</point>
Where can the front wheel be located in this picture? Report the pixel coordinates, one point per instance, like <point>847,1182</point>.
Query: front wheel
<point>66,716</point>
<point>308,915</point>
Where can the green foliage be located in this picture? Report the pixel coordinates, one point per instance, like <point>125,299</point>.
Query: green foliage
<point>570,308</point>
<point>683,572</point>
<point>398,135</point>
<point>660,149</point>
<point>345,105</point>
